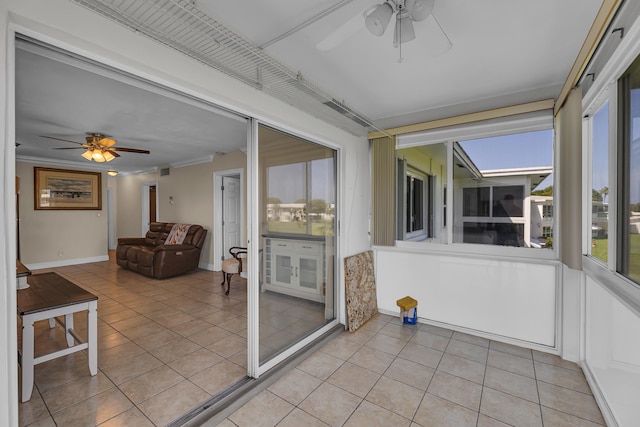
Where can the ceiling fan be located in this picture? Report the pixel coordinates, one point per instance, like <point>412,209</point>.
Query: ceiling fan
<point>376,19</point>
<point>99,147</point>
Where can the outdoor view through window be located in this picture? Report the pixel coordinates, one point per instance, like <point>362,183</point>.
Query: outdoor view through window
<point>502,191</point>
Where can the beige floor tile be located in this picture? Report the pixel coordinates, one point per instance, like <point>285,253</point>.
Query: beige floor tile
<point>471,339</point>
<point>370,415</point>
<point>131,368</point>
<point>195,362</point>
<point>160,339</point>
<point>330,404</point>
<point>296,418</point>
<point>72,392</point>
<point>175,320</point>
<point>421,354</point>
<point>191,327</point>
<point>508,362</point>
<point>132,417</point>
<point>395,396</point>
<point>151,383</point>
<point>463,368</point>
<point>553,418</point>
<point>410,373</point>
<point>399,331</point>
<point>63,370</point>
<point>428,339</point>
<point>229,346</point>
<point>295,386</point>
<point>33,410</point>
<point>455,389</point>
<point>130,322</point>
<point>570,402</point>
<point>118,354</point>
<point>170,404</point>
<point>98,408</point>
<point>354,379</point>
<point>485,421</point>
<point>468,351</point>
<point>320,365</point>
<point>209,335</point>
<point>447,333</point>
<point>553,359</point>
<point>377,361</point>
<point>106,342</point>
<point>218,377</point>
<point>511,349</point>
<point>563,377</point>
<point>342,347</point>
<point>175,350</point>
<point>437,412</point>
<point>387,344</point>
<point>143,330</point>
<point>510,409</point>
<point>514,384</point>
<point>266,409</point>
<point>43,422</point>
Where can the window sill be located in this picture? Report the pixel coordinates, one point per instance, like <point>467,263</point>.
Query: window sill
<point>626,291</point>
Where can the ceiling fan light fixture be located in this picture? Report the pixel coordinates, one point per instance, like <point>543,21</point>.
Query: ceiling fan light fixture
<point>404,31</point>
<point>108,155</point>
<point>88,154</point>
<point>377,19</point>
<point>97,156</point>
<point>107,142</point>
<point>419,9</point>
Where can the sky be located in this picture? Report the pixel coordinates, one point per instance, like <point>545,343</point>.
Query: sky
<point>513,151</point>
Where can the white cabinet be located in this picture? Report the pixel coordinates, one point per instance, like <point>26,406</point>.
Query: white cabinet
<point>295,267</point>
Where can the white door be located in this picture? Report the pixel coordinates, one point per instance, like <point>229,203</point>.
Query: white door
<point>231,193</point>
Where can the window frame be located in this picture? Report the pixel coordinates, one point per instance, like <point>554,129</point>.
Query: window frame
<point>519,123</point>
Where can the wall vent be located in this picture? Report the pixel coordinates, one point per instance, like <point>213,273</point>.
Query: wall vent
<point>164,171</point>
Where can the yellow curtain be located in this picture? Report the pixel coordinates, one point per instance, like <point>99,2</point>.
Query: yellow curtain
<point>383,198</point>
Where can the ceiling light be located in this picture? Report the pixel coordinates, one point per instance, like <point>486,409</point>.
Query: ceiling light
<point>88,154</point>
<point>97,156</point>
<point>108,155</point>
<point>378,18</point>
<point>112,172</point>
<point>404,31</point>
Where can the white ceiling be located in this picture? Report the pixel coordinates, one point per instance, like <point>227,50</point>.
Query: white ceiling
<point>504,52</point>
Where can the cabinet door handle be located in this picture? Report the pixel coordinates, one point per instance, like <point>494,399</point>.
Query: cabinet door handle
<point>296,271</point>
<point>306,247</point>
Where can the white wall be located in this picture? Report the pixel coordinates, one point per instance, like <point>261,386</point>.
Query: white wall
<point>73,27</point>
<point>612,355</point>
<point>509,300</point>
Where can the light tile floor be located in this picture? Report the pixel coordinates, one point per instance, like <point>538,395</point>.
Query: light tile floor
<point>165,347</point>
<point>390,374</point>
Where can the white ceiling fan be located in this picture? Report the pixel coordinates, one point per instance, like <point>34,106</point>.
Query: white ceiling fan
<point>376,19</point>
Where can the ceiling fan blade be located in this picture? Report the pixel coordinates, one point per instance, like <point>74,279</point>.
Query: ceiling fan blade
<point>439,43</point>
<point>61,139</point>
<point>69,148</point>
<point>129,150</point>
<point>342,33</point>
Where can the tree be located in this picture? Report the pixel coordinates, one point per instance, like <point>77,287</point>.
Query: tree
<point>596,196</point>
<point>547,191</point>
<point>318,206</point>
<point>273,201</point>
<point>604,192</point>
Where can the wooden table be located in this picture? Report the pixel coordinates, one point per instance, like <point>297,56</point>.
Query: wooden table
<point>48,296</point>
<point>22,273</point>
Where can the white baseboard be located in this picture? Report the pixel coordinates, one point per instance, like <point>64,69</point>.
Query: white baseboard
<point>66,262</point>
<point>209,267</point>
<point>606,411</point>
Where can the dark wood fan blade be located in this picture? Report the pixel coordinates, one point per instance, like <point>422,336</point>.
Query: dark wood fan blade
<point>130,150</point>
<point>69,148</point>
<point>61,139</point>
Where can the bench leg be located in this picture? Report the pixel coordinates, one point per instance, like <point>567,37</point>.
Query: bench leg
<point>92,337</point>
<point>68,325</point>
<point>27,358</point>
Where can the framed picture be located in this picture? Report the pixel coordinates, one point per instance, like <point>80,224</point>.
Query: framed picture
<point>60,189</point>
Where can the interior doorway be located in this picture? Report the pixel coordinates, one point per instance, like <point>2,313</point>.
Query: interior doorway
<point>149,205</point>
<point>228,214</point>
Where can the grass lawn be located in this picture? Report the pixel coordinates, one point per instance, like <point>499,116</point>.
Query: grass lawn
<point>599,250</point>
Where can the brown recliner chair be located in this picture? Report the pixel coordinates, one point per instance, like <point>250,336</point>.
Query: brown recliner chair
<point>150,255</point>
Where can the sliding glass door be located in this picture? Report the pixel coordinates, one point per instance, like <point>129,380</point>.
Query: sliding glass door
<point>297,239</point>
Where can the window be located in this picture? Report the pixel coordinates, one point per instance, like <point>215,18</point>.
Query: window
<point>498,188</point>
<point>600,183</point>
<point>628,250</point>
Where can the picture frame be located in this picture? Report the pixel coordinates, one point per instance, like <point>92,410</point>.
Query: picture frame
<point>62,189</point>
